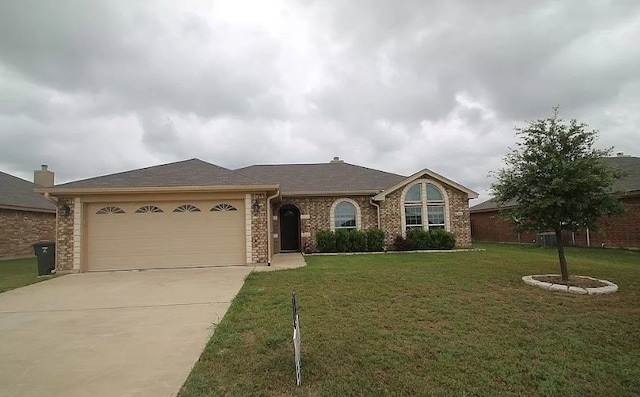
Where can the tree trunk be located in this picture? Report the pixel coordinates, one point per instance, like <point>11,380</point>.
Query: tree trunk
<point>563,260</point>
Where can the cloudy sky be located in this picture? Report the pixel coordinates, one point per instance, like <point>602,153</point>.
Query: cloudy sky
<point>94,87</point>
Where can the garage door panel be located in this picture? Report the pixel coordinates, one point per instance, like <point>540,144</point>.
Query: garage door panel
<point>165,239</point>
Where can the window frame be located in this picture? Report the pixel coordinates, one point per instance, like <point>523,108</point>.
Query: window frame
<point>332,215</point>
<point>425,203</point>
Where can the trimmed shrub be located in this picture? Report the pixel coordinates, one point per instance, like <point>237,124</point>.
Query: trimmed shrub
<point>326,241</point>
<point>375,240</point>
<point>419,239</point>
<point>357,241</point>
<point>342,240</point>
<point>442,240</point>
<point>401,244</point>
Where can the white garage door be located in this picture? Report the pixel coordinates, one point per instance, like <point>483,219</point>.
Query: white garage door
<point>165,234</point>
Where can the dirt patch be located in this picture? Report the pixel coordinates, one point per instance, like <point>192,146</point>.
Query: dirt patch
<point>574,281</point>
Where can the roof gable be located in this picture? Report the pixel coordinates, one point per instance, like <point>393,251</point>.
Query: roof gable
<point>421,174</point>
<point>333,177</point>
<point>16,193</point>
<point>193,172</point>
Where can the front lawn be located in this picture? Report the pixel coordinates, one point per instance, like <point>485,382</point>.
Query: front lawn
<point>437,324</point>
<point>16,273</point>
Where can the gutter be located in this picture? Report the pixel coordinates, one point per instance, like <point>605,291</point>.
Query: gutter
<point>47,197</point>
<point>269,224</point>
<point>157,189</point>
<point>331,193</point>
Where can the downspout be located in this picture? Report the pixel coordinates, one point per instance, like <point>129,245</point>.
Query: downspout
<point>377,209</point>
<point>269,224</point>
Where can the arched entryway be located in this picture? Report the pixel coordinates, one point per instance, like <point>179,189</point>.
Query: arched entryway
<point>289,216</point>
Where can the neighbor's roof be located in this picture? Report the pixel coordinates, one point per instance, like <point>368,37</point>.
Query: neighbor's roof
<point>629,183</point>
<point>333,177</point>
<point>194,172</point>
<point>16,193</point>
<point>631,167</point>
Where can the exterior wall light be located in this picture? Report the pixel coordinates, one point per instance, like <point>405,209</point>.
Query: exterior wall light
<point>256,206</point>
<point>65,210</point>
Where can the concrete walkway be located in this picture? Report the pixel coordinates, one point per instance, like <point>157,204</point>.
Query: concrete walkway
<point>111,334</point>
<point>288,260</point>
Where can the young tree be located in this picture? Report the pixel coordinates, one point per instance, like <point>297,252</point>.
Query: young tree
<point>556,180</point>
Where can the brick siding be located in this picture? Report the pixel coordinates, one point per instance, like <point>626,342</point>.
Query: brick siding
<point>615,231</point>
<point>318,209</point>
<point>20,229</point>
<point>259,233</point>
<point>64,245</point>
<point>459,222</point>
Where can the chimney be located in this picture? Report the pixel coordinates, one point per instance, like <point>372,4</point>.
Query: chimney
<point>43,176</point>
<point>337,160</point>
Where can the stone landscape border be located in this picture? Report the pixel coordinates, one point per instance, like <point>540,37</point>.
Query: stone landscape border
<point>609,287</point>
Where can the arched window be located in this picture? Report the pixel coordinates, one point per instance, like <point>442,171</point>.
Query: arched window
<point>345,214</point>
<point>424,205</point>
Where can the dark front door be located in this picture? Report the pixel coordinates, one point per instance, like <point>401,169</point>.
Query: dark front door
<point>289,228</point>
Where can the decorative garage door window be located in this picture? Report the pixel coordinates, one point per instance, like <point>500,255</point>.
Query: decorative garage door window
<point>224,207</point>
<point>110,210</point>
<point>187,208</point>
<point>148,209</point>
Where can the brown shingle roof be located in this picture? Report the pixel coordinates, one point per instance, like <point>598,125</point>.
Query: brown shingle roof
<point>18,193</point>
<point>631,167</point>
<point>630,182</point>
<point>323,177</point>
<point>194,172</point>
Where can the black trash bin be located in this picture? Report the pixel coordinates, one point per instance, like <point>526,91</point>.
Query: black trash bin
<point>46,253</point>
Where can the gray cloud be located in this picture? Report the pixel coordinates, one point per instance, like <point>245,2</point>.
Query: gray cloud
<point>104,86</point>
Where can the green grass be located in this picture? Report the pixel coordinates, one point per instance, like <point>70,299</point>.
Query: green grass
<point>435,324</point>
<point>16,273</point>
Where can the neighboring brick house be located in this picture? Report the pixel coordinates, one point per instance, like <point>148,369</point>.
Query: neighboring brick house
<point>488,224</point>
<point>25,216</point>
<point>193,213</point>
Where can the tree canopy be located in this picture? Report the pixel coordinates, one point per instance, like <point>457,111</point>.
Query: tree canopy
<point>554,179</point>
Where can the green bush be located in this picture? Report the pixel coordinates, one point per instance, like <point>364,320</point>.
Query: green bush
<point>326,241</point>
<point>401,244</point>
<point>442,240</point>
<point>342,240</point>
<point>357,241</point>
<point>375,240</point>
<point>418,239</point>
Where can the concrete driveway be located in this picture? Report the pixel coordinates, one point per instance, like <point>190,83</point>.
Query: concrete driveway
<point>111,334</point>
